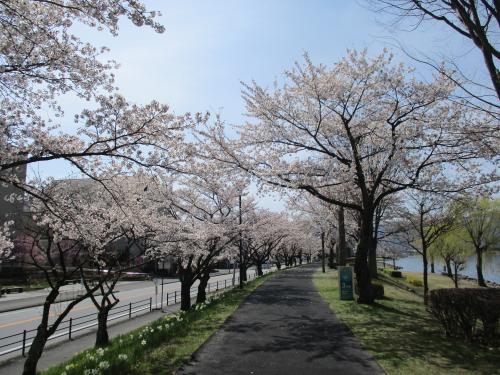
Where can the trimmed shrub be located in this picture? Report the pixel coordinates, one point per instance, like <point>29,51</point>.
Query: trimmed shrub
<point>414,281</point>
<point>460,310</point>
<point>397,274</point>
<point>378,291</point>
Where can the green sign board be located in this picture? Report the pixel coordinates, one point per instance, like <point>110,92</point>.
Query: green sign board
<point>346,285</point>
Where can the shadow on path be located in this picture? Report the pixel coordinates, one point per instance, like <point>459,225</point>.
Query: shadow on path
<point>283,327</point>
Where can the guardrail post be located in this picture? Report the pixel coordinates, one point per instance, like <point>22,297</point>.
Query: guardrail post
<point>70,326</point>
<point>130,310</point>
<point>150,303</point>
<point>24,343</point>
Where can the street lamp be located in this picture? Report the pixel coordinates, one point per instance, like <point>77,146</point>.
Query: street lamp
<point>240,242</point>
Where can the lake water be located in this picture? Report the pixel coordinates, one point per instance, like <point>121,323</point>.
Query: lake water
<point>491,266</point>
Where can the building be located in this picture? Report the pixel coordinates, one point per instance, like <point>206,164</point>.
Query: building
<point>12,209</point>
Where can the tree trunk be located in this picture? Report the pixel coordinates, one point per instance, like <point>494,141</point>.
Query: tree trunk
<point>455,279</point>
<point>341,242</point>
<point>278,264</point>
<point>41,337</point>
<point>372,259</point>
<point>35,351</point>
<point>361,269</point>
<point>479,267</point>
<point>243,272</point>
<point>102,336</point>
<point>432,267</point>
<point>449,271</point>
<point>185,293</point>
<point>426,281</point>
<point>202,288</point>
<point>259,269</point>
<point>331,255</point>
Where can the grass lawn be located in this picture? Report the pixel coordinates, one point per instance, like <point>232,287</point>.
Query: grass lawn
<point>403,337</point>
<point>162,346</point>
<point>435,280</point>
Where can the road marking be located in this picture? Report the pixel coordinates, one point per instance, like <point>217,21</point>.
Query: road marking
<point>75,309</point>
<point>54,314</point>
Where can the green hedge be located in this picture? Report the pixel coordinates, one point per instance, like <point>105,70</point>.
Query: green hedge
<point>461,310</point>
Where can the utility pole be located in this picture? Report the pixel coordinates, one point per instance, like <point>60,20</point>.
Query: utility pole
<point>241,245</point>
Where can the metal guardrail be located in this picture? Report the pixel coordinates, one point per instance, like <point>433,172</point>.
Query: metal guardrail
<point>23,340</point>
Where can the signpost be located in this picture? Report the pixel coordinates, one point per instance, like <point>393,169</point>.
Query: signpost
<point>346,284</point>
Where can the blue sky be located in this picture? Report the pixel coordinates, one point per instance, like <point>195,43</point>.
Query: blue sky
<point>210,46</point>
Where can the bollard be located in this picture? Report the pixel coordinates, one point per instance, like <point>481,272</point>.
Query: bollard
<point>24,343</point>
<point>150,303</point>
<point>130,310</point>
<point>70,326</point>
<point>217,287</point>
<point>175,297</point>
<point>225,284</point>
<point>167,298</point>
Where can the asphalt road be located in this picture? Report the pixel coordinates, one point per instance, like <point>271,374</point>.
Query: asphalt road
<point>283,327</point>
<point>12,323</point>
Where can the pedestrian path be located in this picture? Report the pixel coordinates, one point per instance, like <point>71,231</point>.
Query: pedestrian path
<point>284,327</point>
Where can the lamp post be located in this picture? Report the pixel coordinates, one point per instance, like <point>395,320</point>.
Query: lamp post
<point>323,251</point>
<point>240,244</point>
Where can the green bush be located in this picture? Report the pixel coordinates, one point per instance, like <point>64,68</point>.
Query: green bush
<point>460,310</point>
<point>414,281</point>
<point>397,274</point>
<point>378,291</point>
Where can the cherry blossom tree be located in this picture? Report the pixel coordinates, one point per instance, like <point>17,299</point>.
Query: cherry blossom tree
<point>264,232</point>
<point>6,243</point>
<point>129,227</point>
<point>205,205</point>
<point>302,237</point>
<point>324,217</point>
<point>85,231</point>
<point>50,247</point>
<point>41,59</point>
<point>354,134</point>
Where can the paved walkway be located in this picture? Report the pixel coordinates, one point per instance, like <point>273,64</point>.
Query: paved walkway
<point>284,327</point>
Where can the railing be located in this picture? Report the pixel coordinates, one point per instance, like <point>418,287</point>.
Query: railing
<point>387,262</point>
<point>20,342</point>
